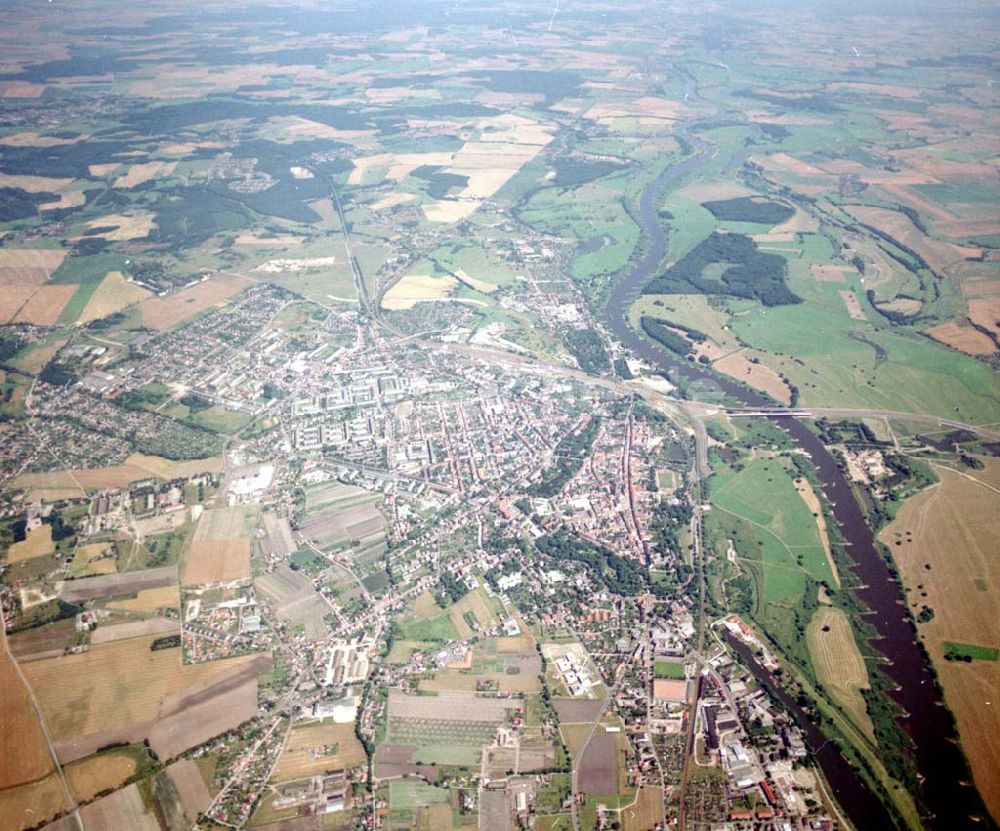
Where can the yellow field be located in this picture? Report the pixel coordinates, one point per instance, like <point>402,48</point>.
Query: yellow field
<point>476,603</point>
<point>88,777</point>
<point>317,747</point>
<point>952,528</point>
<point>805,490</point>
<point>115,685</point>
<point>126,226</point>
<point>473,283</point>
<point>453,680</point>
<point>220,551</point>
<point>144,172</point>
<point>839,665</point>
<point>449,211</point>
<point>417,288</point>
<point>38,544</point>
<point>391,201</point>
<point>166,312</point>
<point>86,561</point>
<point>646,812</point>
<point>45,184</point>
<point>24,756</point>
<point>34,360</point>
<point>170,469</point>
<point>45,305</point>
<point>425,606</point>
<point>137,466</point>
<point>149,600</point>
<point>217,561</point>
<point>29,265</point>
<point>112,295</point>
<point>27,805</point>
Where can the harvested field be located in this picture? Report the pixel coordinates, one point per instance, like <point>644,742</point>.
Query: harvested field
<point>166,312</point>
<point>944,541</point>
<point>13,297</point>
<point>646,812</point>
<point>112,295</point>
<point>148,601</point>
<point>473,283</point>
<point>280,541</point>
<point>123,227</point>
<point>903,305</point>
<point>124,689</point>
<point>20,89</point>
<point>217,561</point>
<point>963,338</point>
<point>853,304</point>
<point>938,255</point>
<point>223,524</point>
<point>42,641</point>
<point>449,707</point>
<point>27,805</point>
<point>805,489</point>
<point>29,265</point>
<point>447,211</point>
<point>415,288</point>
<point>88,777</point>
<point>336,514</point>
<point>985,312</point>
<point>839,665</point>
<point>45,305</point>
<point>295,600</point>
<point>137,174</point>
<point>276,241</point>
<point>202,721</point>
<point>135,629</point>
<point>831,273</point>
<point>220,550</point>
<point>170,469</point>
<point>43,184</point>
<point>318,747</point>
<point>24,755</point>
<point>37,544</point>
<point>571,711</point>
<point>122,809</point>
<point>598,766</point>
<point>760,377</point>
<point>475,603</point>
<point>191,788</point>
<point>391,201</point>
<point>518,643</point>
<point>110,585</point>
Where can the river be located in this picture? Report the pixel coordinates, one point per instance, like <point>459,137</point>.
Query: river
<point>947,794</point>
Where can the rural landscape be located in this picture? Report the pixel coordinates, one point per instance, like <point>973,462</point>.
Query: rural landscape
<point>441,415</point>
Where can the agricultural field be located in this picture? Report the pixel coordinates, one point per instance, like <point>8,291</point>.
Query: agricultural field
<point>220,549</point>
<point>838,664</point>
<point>25,754</point>
<point>339,515</point>
<point>123,688</point>
<point>449,728</point>
<point>315,748</point>
<point>104,771</point>
<point>942,541</point>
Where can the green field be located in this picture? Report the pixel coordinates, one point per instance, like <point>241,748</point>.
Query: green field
<point>414,792</point>
<point>967,651</point>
